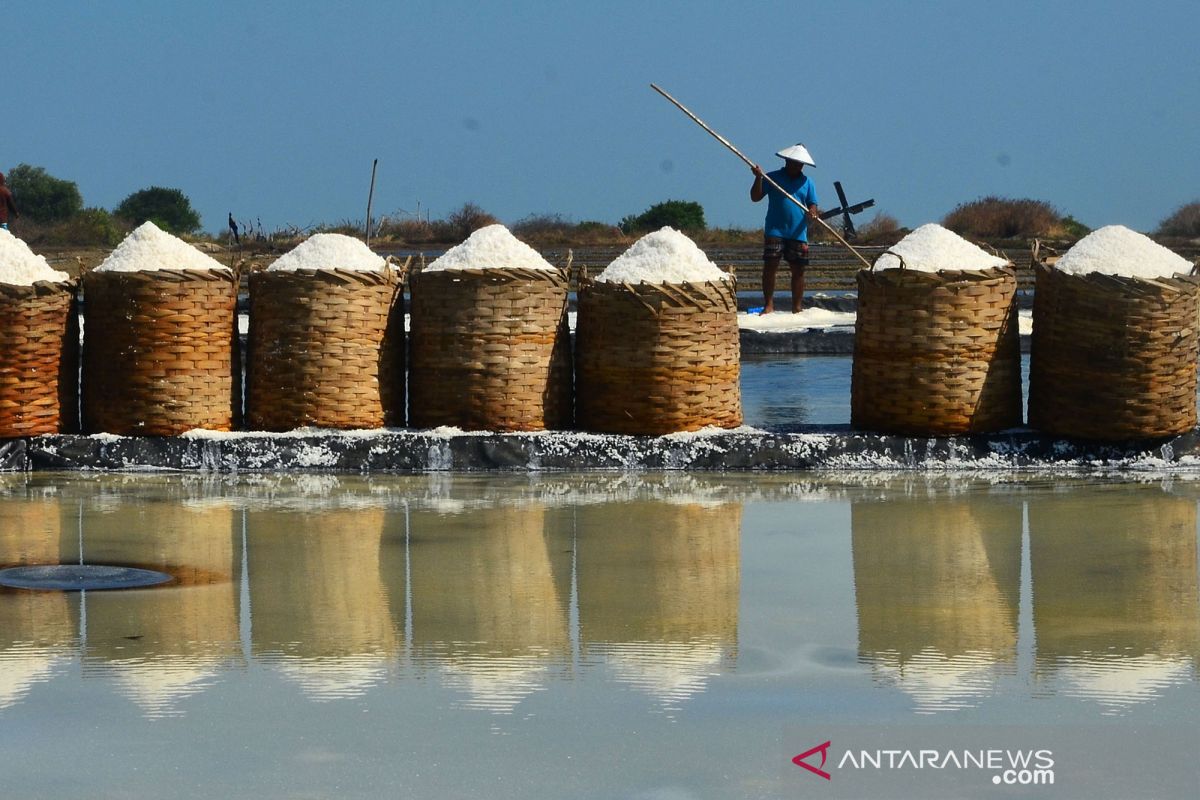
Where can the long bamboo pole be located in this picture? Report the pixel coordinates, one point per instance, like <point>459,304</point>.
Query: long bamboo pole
<point>766,177</point>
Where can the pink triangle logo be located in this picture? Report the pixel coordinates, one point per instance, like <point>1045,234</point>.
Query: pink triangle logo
<point>823,749</point>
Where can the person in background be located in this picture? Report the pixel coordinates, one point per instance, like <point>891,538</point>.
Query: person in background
<point>233,229</point>
<point>7,206</point>
<point>785,232</point>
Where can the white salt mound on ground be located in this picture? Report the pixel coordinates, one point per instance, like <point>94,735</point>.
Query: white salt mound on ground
<point>330,251</point>
<point>931,248</point>
<point>20,266</point>
<point>1116,250</point>
<point>150,248</point>
<point>665,256</point>
<point>493,247</point>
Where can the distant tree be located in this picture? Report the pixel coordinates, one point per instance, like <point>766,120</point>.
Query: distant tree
<point>1185,221</point>
<point>682,214</point>
<point>169,209</point>
<point>42,197</point>
<point>469,218</point>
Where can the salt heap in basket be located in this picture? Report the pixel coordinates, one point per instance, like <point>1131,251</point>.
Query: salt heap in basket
<point>160,339</point>
<point>490,349</point>
<point>326,344</point>
<point>1114,340</point>
<point>657,346</point>
<point>936,344</point>
<point>39,344</point>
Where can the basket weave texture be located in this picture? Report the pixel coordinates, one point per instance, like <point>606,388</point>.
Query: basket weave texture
<point>489,349</point>
<point>160,351</point>
<point>39,359</point>
<point>936,354</point>
<point>1113,357</point>
<point>326,349</point>
<point>653,359</point>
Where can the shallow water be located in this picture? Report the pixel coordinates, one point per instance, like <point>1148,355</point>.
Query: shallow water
<point>596,636</point>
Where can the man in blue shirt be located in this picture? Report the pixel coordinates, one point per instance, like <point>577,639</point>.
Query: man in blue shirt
<point>785,232</point>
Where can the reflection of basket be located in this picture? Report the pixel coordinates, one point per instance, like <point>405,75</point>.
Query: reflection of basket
<point>490,350</point>
<point>1113,357</point>
<point>489,583</point>
<point>326,348</point>
<point>39,359</point>
<point>159,351</point>
<point>1114,572</point>
<point>316,589</point>
<point>657,358</point>
<point>938,574</point>
<point>653,571</point>
<point>936,354</point>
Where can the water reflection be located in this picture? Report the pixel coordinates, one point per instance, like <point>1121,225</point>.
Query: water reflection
<point>37,629</point>
<point>158,646</point>
<point>490,590</point>
<point>492,593</point>
<point>1115,600</point>
<point>319,599</point>
<point>658,591</point>
<point>937,582</point>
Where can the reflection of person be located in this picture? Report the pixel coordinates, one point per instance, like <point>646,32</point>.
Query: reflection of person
<point>785,231</point>
<point>7,206</point>
<point>233,229</point>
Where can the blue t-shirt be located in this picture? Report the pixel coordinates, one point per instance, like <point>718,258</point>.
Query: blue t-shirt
<point>785,219</point>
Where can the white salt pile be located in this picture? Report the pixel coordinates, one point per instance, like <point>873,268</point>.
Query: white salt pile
<point>492,247</point>
<point>330,251</point>
<point>150,248</point>
<point>1116,250</point>
<point>665,256</point>
<point>931,248</point>
<point>20,266</point>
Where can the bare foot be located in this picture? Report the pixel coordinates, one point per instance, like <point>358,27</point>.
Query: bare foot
<point>767,310</point>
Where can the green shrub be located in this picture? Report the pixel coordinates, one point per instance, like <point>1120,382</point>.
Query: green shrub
<point>41,197</point>
<point>883,229</point>
<point>464,221</point>
<point>169,209</point>
<point>1002,218</point>
<point>1184,222</point>
<point>684,215</point>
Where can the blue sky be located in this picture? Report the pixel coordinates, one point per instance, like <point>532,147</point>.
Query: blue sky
<point>275,110</point>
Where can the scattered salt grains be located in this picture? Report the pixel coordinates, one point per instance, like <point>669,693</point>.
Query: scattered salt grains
<point>1117,250</point>
<point>330,251</point>
<point>20,266</point>
<point>492,247</point>
<point>664,256</point>
<point>150,248</point>
<point>931,248</point>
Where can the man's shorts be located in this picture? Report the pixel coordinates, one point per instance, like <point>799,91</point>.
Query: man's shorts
<point>793,252</point>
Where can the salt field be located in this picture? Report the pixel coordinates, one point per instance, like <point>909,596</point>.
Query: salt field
<point>515,636</point>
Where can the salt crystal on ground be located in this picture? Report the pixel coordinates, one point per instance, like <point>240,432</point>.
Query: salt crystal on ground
<point>20,266</point>
<point>665,256</point>
<point>330,251</point>
<point>149,248</point>
<point>1116,250</point>
<point>809,318</point>
<point>492,247</point>
<point>931,248</point>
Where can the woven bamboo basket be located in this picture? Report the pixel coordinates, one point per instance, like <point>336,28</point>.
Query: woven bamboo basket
<point>39,359</point>
<point>160,351</point>
<point>1113,357</point>
<point>936,353</point>
<point>653,359</point>
<point>326,348</point>
<point>490,350</point>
